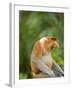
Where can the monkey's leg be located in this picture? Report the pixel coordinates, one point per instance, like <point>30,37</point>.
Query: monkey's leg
<point>40,75</point>
<point>34,69</point>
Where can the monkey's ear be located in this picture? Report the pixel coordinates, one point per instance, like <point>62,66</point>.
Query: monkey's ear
<point>37,49</point>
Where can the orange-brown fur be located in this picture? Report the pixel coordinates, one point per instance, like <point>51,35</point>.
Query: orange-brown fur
<point>38,49</point>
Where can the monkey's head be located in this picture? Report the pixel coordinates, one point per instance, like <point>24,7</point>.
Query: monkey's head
<point>48,43</point>
<point>45,45</point>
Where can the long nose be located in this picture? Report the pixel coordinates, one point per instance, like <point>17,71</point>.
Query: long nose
<point>57,44</point>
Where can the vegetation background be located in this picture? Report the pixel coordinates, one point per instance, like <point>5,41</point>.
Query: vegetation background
<point>33,26</point>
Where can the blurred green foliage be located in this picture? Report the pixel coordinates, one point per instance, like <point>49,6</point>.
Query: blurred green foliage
<point>33,26</point>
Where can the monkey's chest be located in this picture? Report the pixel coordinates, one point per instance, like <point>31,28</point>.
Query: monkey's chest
<point>47,60</point>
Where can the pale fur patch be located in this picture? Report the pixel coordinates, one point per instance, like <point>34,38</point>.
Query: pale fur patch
<point>42,41</point>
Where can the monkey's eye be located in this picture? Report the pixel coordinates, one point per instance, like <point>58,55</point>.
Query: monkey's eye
<point>52,47</point>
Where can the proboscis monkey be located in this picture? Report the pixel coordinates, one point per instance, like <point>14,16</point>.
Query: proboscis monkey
<point>42,63</point>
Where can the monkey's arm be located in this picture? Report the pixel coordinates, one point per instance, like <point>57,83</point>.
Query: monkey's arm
<point>43,68</point>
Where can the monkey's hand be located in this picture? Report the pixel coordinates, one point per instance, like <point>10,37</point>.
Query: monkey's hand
<point>43,68</point>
